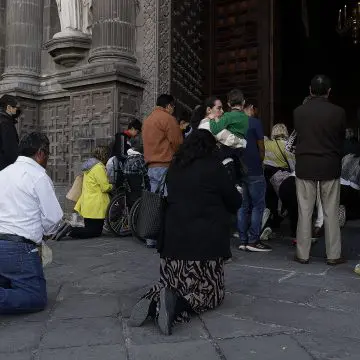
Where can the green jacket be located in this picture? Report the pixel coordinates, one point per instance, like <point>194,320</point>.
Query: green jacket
<point>236,122</point>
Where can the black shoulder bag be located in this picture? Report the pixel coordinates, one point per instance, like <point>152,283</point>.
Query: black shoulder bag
<point>151,214</point>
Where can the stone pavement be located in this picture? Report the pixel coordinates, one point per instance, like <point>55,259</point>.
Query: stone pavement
<point>274,309</point>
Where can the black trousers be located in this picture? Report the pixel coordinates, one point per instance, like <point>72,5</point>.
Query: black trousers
<point>287,194</point>
<point>93,228</point>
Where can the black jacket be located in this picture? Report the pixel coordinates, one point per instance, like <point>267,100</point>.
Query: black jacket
<point>9,140</point>
<point>201,199</point>
<point>320,127</point>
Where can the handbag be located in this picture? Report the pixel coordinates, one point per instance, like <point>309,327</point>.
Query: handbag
<point>151,212</point>
<point>46,254</point>
<point>76,189</point>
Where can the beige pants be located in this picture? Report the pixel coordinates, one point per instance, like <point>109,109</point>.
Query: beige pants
<point>330,199</point>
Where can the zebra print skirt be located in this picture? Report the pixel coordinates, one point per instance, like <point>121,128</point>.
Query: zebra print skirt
<point>199,283</point>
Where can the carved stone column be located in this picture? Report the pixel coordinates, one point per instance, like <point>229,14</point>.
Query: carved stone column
<point>23,40</point>
<point>113,34</point>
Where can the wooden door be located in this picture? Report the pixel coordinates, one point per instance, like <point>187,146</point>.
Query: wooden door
<point>242,51</point>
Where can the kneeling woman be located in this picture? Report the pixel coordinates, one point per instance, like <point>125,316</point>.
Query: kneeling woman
<point>94,199</point>
<point>196,239</point>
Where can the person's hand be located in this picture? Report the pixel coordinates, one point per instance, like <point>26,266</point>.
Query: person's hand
<point>211,116</point>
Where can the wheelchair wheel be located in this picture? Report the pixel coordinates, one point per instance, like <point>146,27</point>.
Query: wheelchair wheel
<point>117,217</point>
<point>133,219</point>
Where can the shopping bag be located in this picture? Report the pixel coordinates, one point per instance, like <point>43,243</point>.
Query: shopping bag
<point>76,189</point>
<point>151,212</point>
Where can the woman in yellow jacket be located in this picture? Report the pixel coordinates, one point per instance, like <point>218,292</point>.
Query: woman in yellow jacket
<point>94,199</point>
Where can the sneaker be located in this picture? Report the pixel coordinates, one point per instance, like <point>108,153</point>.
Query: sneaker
<point>63,231</point>
<point>141,311</point>
<point>242,247</point>
<point>342,216</point>
<point>150,244</point>
<point>236,235</point>
<point>357,269</point>
<point>258,247</point>
<point>265,235</point>
<point>265,217</point>
<point>166,314</point>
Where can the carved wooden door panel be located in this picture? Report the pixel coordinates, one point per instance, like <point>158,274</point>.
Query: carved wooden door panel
<point>187,53</point>
<point>241,51</point>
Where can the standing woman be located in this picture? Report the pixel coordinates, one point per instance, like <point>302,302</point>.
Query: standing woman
<point>196,240</point>
<point>94,199</point>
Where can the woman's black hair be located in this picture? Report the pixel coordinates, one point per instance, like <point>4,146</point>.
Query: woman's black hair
<point>199,144</point>
<point>199,113</point>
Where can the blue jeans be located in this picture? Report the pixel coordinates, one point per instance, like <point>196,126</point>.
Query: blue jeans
<point>156,176</point>
<point>22,281</point>
<point>252,209</point>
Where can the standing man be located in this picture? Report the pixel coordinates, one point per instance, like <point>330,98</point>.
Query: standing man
<point>162,137</point>
<point>320,128</point>
<point>250,216</point>
<point>9,139</point>
<point>29,209</point>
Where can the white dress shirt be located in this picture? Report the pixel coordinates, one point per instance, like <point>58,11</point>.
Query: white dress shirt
<point>28,204</point>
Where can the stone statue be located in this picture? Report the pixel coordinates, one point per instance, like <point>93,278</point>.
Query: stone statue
<point>75,15</point>
<point>87,16</point>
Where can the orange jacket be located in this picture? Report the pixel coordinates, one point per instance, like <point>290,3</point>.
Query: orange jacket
<point>162,137</point>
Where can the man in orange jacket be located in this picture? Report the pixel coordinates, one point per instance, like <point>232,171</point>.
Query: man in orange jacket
<point>162,137</point>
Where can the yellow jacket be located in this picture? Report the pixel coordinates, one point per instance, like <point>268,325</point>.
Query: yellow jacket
<point>94,199</point>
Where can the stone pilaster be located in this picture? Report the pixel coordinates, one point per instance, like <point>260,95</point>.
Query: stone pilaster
<point>2,35</point>
<point>113,34</point>
<point>24,27</point>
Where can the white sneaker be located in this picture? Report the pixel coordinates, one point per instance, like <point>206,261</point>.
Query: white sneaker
<point>265,217</point>
<point>242,247</point>
<point>265,235</point>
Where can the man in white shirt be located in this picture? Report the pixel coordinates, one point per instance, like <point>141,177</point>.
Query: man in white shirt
<point>29,210</point>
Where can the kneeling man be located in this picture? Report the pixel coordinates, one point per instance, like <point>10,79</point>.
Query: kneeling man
<point>29,210</point>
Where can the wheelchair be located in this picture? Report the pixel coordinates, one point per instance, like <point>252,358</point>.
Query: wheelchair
<point>122,212</point>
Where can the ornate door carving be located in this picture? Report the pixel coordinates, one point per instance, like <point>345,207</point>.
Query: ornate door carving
<point>187,52</point>
<point>241,50</point>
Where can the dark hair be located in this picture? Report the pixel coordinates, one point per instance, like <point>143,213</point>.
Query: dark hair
<point>8,100</point>
<point>320,85</point>
<point>102,153</point>
<point>137,144</point>
<point>32,143</point>
<point>199,144</point>
<point>235,98</point>
<point>164,100</point>
<point>199,113</point>
<point>135,124</point>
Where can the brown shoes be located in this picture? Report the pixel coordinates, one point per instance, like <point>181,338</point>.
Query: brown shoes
<point>334,262</point>
<point>301,261</point>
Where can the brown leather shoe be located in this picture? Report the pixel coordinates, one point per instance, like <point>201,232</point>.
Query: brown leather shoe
<point>301,261</point>
<point>334,262</point>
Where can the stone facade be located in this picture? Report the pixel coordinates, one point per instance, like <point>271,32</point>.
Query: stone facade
<point>81,91</point>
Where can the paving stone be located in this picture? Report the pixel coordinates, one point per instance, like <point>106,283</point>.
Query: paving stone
<point>326,348</point>
<point>19,336</point>
<point>302,317</point>
<point>114,281</point>
<point>86,306</point>
<point>81,332</point>
<point>179,351</point>
<point>279,347</point>
<point>150,334</point>
<point>109,352</point>
<point>17,356</point>
<point>344,301</point>
<point>229,326</point>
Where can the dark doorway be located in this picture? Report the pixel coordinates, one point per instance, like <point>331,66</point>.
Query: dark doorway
<point>299,57</point>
